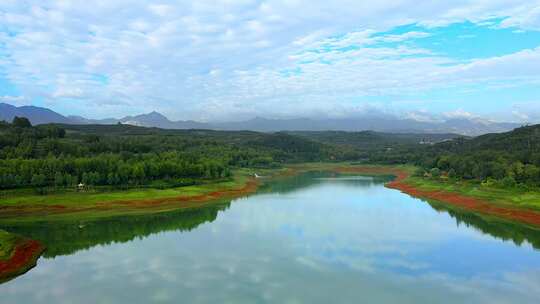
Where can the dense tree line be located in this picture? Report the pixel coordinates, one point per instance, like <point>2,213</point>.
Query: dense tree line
<point>119,156</point>
<point>106,169</point>
<point>508,160</point>
<point>125,156</point>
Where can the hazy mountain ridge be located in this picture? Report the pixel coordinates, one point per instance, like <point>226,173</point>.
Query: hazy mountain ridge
<point>380,123</point>
<point>37,115</point>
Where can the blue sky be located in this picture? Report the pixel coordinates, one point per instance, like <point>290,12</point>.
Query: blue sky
<point>232,60</point>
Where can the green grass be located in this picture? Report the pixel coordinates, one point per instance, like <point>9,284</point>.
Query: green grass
<point>507,197</point>
<point>88,198</point>
<point>79,205</point>
<point>7,244</point>
<point>92,197</point>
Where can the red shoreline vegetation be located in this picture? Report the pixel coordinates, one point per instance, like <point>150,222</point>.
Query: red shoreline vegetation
<point>24,257</point>
<point>465,202</point>
<point>400,183</point>
<point>250,187</point>
<point>127,205</point>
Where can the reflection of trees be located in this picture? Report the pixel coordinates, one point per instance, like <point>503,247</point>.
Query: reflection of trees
<point>499,228</point>
<point>64,238</point>
<point>67,237</point>
<point>313,178</point>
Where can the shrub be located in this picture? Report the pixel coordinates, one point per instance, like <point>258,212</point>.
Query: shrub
<point>435,173</point>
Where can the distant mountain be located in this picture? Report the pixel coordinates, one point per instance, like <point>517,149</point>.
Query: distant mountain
<point>389,124</point>
<point>379,123</point>
<point>79,120</point>
<point>153,119</point>
<point>370,139</point>
<point>36,115</point>
<point>476,126</point>
<point>521,141</point>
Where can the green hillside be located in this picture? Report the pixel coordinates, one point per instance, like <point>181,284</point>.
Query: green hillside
<point>507,159</point>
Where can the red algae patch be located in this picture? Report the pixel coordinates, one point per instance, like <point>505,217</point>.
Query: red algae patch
<point>24,257</point>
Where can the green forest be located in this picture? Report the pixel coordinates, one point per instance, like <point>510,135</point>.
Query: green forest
<point>507,160</point>
<point>122,156</point>
<point>56,156</point>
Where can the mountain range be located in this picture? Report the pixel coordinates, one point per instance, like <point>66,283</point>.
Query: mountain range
<point>380,123</point>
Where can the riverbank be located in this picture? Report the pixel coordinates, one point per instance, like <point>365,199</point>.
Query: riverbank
<point>86,206</point>
<point>505,204</point>
<point>484,200</point>
<point>438,192</point>
<point>17,255</point>
<point>92,204</point>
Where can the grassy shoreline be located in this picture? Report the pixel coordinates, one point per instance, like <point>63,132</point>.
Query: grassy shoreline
<point>71,198</point>
<point>505,197</point>
<point>137,201</point>
<point>18,254</point>
<point>90,197</point>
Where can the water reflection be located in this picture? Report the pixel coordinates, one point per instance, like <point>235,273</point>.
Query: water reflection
<point>65,237</point>
<point>317,238</point>
<point>314,178</point>
<point>502,229</point>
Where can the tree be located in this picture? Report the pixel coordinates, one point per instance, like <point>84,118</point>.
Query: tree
<point>53,131</point>
<point>70,180</point>
<point>435,173</point>
<point>21,122</point>
<point>498,170</point>
<point>509,182</point>
<point>531,173</point>
<point>59,179</point>
<point>443,163</point>
<point>39,180</point>
<point>516,170</point>
<point>452,173</point>
<point>138,173</point>
<point>420,172</point>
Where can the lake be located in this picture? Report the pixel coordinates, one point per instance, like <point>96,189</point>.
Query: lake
<point>314,238</point>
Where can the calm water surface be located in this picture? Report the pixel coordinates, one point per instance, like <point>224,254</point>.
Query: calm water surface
<point>310,239</point>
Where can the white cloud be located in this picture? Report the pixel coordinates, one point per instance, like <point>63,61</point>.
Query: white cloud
<point>68,93</point>
<point>14,100</point>
<point>404,37</point>
<point>459,113</point>
<point>204,59</point>
<point>521,116</point>
<point>422,115</point>
<point>526,112</point>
